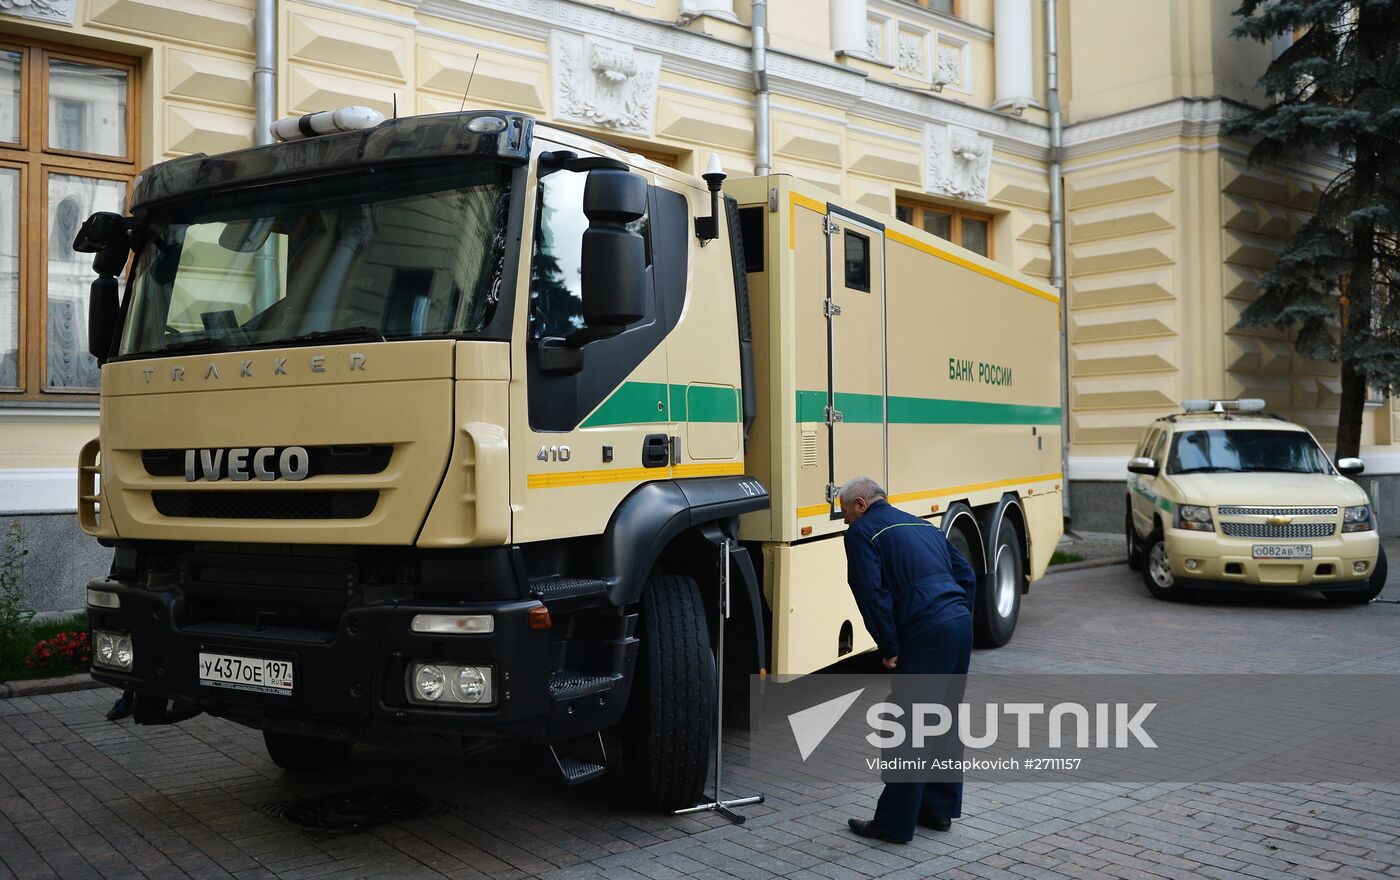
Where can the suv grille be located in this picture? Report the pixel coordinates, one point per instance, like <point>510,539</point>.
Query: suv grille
<point>258,504</point>
<point>1277,511</point>
<point>1265,530</point>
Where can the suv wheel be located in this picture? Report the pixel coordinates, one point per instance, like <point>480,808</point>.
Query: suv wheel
<point>1361,597</point>
<point>1157,571</point>
<point>1130,537</point>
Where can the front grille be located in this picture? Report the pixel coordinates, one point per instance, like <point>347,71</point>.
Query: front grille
<point>1265,530</point>
<point>1277,511</point>
<point>257,504</point>
<point>323,460</point>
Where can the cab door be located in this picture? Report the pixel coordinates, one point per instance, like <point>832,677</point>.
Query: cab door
<point>855,311</point>
<point>1142,488</point>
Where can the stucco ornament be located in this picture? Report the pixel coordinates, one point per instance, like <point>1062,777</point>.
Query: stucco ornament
<point>48,10</point>
<point>874,40</point>
<point>601,83</point>
<point>959,162</point>
<point>911,54</point>
<point>949,68</point>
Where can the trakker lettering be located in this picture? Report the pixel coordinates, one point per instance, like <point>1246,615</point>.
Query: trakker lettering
<point>246,369</point>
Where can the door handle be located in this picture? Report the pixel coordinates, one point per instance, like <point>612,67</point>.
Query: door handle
<point>656,450</point>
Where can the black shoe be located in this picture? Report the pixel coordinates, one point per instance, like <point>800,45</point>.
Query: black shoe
<point>866,828</point>
<point>936,823</point>
<point>120,709</point>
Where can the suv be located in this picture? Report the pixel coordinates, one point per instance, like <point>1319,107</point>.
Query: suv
<point>1222,494</point>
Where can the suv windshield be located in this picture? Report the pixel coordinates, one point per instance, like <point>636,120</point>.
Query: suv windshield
<point>392,253</point>
<point>1217,450</point>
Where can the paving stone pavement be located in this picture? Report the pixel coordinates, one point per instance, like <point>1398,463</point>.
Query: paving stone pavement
<point>83,797</point>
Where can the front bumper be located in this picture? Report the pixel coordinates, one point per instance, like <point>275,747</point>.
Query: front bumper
<point>1230,561</point>
<point>348,684</point>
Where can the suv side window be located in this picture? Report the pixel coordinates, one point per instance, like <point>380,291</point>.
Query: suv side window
<point>1145,443</point>
<point>1159,447</point>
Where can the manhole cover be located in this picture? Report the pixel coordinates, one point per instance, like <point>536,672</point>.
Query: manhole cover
<point>355,810</point>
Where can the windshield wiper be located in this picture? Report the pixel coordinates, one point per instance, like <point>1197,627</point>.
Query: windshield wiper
<point>1206,470</point>
<point>204,344</point>
<point>343,334</point>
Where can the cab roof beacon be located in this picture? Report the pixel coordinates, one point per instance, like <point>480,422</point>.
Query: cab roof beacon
<point>1242,405</point>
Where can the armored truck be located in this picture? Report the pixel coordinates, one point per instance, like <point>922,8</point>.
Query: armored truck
<point>437,428</point>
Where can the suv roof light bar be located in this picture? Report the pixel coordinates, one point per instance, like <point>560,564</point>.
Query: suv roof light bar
<point>1242,405</point>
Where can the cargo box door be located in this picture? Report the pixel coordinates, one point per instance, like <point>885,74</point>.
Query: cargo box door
<point>855,312</point>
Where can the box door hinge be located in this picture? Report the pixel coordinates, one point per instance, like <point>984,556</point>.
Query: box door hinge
<point>772,200</point>
<point>833,415</point>
<point>830,226</point>
<point>833,491</point>
<point>830,308</point>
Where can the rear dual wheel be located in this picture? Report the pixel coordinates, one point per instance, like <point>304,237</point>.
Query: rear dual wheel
<point>998,600</point>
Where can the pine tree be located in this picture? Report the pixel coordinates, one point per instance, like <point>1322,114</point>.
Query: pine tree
<point>1337,90</point>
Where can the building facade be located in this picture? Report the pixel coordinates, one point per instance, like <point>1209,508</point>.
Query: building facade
<point>932,110</point>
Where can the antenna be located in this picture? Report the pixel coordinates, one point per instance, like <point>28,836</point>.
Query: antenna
<point>468,89</point>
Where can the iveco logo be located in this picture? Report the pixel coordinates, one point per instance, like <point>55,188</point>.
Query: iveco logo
<point>281,366</point>
<point>244,463</point>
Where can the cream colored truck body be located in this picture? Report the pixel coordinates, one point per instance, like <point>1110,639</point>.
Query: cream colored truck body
<point>943,372</point>
<point>487,501</point>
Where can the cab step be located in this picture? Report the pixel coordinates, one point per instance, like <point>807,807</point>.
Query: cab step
<point>559,588</point>
<point>568,685</point>
<point>581,759</point>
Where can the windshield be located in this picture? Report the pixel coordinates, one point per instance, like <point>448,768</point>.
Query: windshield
<point>392,252</point>
<point>1218,450</point>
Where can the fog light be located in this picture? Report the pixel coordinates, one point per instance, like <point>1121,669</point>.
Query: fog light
<point>103,599</point>
<point>1192,564</point>
<point>1359,567</point>
<point>450,624</point>
<point>428,683</point>
<point>112,650</point>
<point>441,683</point>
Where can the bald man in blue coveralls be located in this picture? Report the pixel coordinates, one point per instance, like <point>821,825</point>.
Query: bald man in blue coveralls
<point>915,593</point>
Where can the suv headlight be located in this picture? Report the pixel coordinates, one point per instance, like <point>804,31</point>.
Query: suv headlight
<point>1357,519</point>
<point>1194,517</point>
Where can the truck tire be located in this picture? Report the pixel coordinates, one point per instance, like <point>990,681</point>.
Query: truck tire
<point>998,603</point>
<point>1361,597</point>
<point>1156,569</point>
<point>1130,536</point>
<point>672,702</point>
<point>292,751</point>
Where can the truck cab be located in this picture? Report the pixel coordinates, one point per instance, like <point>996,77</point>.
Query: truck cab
<point>428,428</point>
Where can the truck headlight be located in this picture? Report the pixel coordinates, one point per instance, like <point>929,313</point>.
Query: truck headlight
<point>1194,517</point>
<point>1357,519</point>
<point>112,651</point>
<point>438,683</point>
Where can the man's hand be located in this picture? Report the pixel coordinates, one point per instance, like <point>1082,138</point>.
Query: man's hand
<point>890,662</point>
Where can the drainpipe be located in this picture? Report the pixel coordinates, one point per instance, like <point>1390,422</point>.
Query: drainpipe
<point>1057,234</point>
<point>264,72</point>
<point>266,283</point>
<point>759,39</point>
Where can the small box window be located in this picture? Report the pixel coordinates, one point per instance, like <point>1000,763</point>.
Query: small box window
<point>857,261</point>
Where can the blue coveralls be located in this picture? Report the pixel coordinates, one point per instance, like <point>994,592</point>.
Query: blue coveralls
<point>915,593</point>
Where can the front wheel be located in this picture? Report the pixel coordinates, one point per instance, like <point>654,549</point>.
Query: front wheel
<point>999,601</point>
<point>1157,570</point>
<point>1374,588</point>
<point>672,703</point>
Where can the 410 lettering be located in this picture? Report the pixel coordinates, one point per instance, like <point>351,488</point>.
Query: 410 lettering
<point>554,453</point>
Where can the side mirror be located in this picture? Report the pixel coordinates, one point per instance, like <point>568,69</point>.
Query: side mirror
<point>100,231</point>
<point>1143,465</point>
<point>1351,467</point>
<point>613,271</point>
<point>103,312</point>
